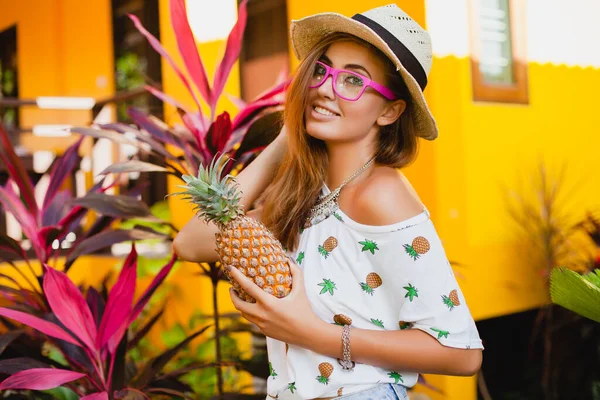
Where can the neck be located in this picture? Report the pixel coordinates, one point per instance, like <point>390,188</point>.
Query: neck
<point>344,160</point>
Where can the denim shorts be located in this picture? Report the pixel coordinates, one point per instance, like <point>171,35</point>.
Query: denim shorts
<point>386,391</point>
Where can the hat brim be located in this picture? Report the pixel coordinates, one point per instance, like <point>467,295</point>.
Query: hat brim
<point>305,33</point>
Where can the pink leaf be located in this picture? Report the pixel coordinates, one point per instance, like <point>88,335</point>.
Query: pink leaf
<point>194,124</point>
<point>39,379</point>
<point>166,98</point>
<point>12,204</point>
<point>188,49</point>
<point>232,53</point>
<point>278,89</point>
<point>219,133</point>
<point>38,324</point>
<point>95,396</point>
<point>69,306</point>
<point>17,171</point>
<point>60,171</point>
<point>119,304</point>
<point>161,50</point>
<point>158,279</point>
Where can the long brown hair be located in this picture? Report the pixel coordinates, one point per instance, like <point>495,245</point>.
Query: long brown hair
<point>298,182</point>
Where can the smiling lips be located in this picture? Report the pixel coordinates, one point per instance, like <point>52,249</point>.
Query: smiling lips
<point>324,111</point>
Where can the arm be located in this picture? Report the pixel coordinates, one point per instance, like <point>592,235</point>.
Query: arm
<point>406,350</point>
<point>196,241</point>
<point>292,320</point>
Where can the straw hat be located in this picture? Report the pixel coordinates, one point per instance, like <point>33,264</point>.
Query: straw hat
<point>393,32</point>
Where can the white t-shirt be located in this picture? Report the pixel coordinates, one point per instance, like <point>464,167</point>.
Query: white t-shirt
<point>380,277</point>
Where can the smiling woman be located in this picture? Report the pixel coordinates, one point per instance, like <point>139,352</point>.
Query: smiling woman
<point>374,302</point>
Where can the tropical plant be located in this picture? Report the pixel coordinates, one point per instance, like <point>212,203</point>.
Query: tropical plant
<point>181,150</point>
<point>551,236</point>
<point>577,292</point>
<point>90,332</point>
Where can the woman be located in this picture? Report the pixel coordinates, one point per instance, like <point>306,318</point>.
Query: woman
<point>374,301</point>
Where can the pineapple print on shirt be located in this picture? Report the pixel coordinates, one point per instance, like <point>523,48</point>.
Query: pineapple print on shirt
<point>451,300</point>
<point>341,319</point>
<point>272,372</point>
<point>291,387</point>
<point>326,369</point>
<point>419,246</point>
<point>373,281</point>
<point>328,286</point>
<point>328,246</point>
<point>369,245</point>
<point>411,292</point>
<point>300,258</point>
<point>396,377</point>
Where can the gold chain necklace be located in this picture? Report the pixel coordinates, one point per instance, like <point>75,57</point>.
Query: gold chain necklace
<point>328,204</point>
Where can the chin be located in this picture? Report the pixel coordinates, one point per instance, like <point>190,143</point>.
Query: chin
<point>325,133</point>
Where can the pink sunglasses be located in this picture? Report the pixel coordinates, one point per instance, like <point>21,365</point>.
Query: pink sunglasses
<point>347,84</point>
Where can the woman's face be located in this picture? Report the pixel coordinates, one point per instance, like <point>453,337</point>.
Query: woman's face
<point>333,119</point>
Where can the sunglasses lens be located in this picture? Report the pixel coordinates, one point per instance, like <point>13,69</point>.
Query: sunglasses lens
<point>318,75</point>
<point>349,85</point>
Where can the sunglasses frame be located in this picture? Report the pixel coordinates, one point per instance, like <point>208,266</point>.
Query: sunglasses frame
<point>334,72</point>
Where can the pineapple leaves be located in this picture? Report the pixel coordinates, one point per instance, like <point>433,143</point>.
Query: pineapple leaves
<point>216,198</point>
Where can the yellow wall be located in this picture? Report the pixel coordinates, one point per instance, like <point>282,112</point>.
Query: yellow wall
<point>484,148</point>
<point>64,49</point>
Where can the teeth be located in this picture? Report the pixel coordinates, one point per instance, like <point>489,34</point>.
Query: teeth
<point>323,111</point>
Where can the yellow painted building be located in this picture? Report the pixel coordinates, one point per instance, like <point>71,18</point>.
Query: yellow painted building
<point>491,136</point>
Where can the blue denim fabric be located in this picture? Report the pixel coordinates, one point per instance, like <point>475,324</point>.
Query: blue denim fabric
<point>386,391</point>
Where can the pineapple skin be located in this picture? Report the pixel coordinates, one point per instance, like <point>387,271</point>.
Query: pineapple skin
<point>246,244</point>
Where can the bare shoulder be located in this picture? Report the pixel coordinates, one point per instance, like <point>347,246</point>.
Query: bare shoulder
<point>385,198</point>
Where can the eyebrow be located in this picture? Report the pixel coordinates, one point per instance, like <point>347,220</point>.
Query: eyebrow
<point>347,66</point>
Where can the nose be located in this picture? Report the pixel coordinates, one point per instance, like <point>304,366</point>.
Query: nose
<point>326,89</point>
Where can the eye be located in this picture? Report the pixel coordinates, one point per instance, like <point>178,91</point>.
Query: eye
<point>319,70</point>
<point>353,80</point>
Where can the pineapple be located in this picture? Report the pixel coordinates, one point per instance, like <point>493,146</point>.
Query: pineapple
<point>242,242</point>
<point>326,369</point>
<point>451,300</point>
<point>396,377</point>
<point>405,325</point>
<point>341,319</point>
<point>328,246</point>
<point>373,281</point>
<point>419,246</point>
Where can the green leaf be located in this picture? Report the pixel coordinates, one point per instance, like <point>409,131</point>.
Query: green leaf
<point>576,292</point>
<point>62,393</point>
<point>173,336</point>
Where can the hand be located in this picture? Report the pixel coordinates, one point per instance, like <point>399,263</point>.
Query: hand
<point>290,319</point>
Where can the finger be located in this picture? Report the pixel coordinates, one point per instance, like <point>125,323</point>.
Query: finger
<point>248,285</point>
<point>238,303</point>
<point>297,274</point>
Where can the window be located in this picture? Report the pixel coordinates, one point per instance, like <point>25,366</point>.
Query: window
<point>138,64</point>
<point>9,116</point>
<point>265,50</point>
<point>498,54</point>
